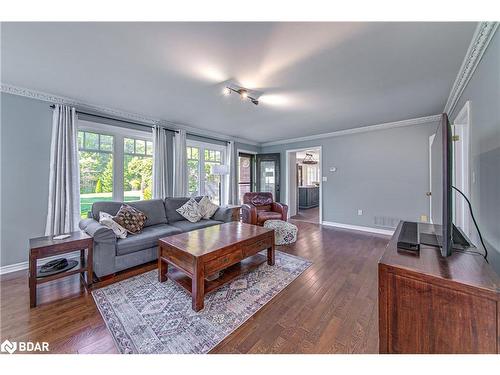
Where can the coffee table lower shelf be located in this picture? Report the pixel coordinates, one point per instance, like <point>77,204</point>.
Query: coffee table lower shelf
<point>228,274</point>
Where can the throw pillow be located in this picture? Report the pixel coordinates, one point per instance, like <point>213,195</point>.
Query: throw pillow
<point>207,207</point>
<point>107,220</point>
<point>130,218</point>
<point>191,211</point>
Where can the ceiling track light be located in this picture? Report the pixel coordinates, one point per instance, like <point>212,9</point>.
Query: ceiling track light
<point>243,93</point>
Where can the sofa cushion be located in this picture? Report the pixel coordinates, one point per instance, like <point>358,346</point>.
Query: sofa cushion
<point>207,207</point>
<point>171,206</point>
<point>110,207</point>
<point>191,211</point>
<point>187,226</point>
<point>154,209</point>
<point>130,218</point>
<point>147,238</point>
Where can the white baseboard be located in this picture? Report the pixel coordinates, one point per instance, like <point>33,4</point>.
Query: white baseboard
<point>387,232</point>
<point>25,265</point>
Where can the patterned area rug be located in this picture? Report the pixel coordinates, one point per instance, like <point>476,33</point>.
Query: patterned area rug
<point>145,316</point>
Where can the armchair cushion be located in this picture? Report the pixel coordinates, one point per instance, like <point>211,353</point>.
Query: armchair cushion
<point>262,216</point>
<point>261,200</point>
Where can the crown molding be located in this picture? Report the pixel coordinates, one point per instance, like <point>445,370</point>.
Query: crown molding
<point>363,129</point>
<point>118,114</point>
<point>482,36</point>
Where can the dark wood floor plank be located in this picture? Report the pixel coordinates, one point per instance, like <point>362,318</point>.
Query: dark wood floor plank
<point>330,308</point>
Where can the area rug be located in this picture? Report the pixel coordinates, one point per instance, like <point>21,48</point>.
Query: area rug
<point>148,317</point>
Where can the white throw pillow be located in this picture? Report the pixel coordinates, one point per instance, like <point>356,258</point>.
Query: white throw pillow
<point>107,220</point>
<point>191,211</point>
<point>207,207</point>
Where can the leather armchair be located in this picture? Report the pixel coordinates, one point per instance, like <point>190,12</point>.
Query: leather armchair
<point>259,207</point>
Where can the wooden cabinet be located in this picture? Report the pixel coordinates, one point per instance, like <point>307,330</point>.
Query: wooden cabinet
<point>308,196</point>
<point>431,304</point>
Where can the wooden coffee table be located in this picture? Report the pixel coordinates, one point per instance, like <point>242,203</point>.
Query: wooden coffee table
<point>232,247</point>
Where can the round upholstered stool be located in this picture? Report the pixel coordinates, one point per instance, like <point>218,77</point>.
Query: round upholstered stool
<point>284,233</point>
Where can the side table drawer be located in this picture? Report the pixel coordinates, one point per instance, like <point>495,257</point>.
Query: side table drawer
<point>222,262</point>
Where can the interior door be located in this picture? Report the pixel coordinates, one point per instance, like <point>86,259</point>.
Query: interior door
<point>268,174</point>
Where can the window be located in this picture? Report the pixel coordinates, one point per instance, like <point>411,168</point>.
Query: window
<point>115,164</point>
<point>311,174</point>
<point>137,169</point>
<point>193,163</point>
<point>267,176</point>
<point>204,176</point>
<point>245,174</point>
<point>96,169</point>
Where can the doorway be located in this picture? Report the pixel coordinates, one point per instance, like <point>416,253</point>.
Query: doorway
<point>460,178</point>
<point>304,184</point>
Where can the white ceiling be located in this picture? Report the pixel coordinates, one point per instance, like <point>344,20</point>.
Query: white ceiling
<point>316,77</point>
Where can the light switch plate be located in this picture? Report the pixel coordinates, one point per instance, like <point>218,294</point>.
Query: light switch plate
<point>360,212</point>
<point>324,179</point>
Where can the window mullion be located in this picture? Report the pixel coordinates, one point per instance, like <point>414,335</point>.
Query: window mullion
<point>201,157</point>
<point>118,161</point>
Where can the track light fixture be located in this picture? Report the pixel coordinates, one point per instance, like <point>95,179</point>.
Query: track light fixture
<point>242,92</point>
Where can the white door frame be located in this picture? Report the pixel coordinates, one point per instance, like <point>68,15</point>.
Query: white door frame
<point>431,140</point>
<point>461,168</point>
<point>287,176</point>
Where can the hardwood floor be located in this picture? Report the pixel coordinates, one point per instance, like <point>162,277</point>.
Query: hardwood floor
<point>311,215</point>
<point>330,308</point>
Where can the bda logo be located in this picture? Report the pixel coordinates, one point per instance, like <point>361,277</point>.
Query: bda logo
<point>8,346</point>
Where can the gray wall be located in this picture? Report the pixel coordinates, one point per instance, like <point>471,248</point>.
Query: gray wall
<point>25,148</point>
<point>384,173</point>
<point>25,153</point>
<point>483,92</point>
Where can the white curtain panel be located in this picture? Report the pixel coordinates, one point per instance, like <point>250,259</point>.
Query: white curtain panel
<point>160,173</point>
<point>64,179</point>
<point>180,165</point>
<point>232,178</point>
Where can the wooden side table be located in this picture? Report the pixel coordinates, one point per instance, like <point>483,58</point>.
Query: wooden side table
<point>43,247</point>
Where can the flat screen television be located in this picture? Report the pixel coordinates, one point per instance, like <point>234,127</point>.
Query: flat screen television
<point>441,186</point>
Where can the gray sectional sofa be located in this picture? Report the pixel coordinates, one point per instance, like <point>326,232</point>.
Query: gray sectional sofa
<point>113,254</point>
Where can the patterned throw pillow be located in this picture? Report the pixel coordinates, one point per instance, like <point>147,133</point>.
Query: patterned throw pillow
<point>191,211</point>
<point>207,208</point>
<point>107,220</point>
<point>130,218</point>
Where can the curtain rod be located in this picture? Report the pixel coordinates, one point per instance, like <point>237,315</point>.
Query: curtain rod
<point>117,119</point>
<point>139,124</point>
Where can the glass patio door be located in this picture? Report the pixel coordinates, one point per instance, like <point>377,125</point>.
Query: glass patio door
<point>268,174</point>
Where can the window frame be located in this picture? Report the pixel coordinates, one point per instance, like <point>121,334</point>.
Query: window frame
<point>252,156</point>
<point>118,150</point>
<point>201,164</point>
